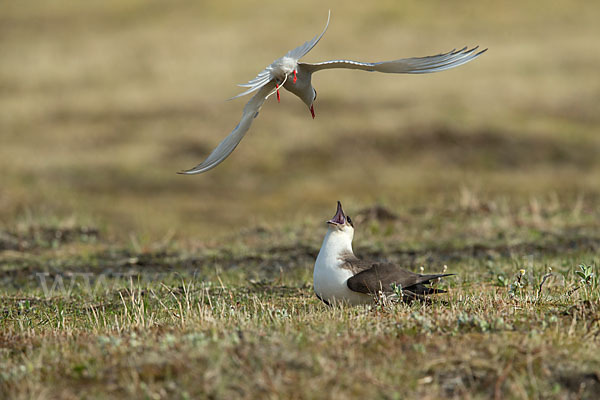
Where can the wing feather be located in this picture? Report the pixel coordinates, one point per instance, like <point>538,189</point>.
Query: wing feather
<point>381,276</point>
<point>254,86</point>
<point>226,147</point>
<point>415,65</point>
<point>303,49</point>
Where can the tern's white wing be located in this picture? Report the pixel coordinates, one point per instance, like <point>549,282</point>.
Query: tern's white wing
<point>261,80</point>
<point>415,65</point>
<point>303,49</point>
<point>229,144</point>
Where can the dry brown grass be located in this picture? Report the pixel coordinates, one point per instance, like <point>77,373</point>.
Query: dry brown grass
<point>489,168</point>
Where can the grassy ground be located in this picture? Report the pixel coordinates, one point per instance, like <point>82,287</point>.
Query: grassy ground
<point>83,317</point>
<point>119,278</point>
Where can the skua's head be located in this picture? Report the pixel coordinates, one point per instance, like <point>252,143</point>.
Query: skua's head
<point>341,222</point>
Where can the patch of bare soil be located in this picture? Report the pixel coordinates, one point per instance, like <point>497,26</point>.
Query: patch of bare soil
<point>485,149</point>
<point>265,263</point>
<point>44,236</point>
<point>583,385</point>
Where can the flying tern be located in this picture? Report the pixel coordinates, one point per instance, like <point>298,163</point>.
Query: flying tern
<point>295,76</point>
<point>339,276</point>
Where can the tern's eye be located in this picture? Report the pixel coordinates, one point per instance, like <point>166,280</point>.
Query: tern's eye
<point>315,92</point>
<point>349,221</point>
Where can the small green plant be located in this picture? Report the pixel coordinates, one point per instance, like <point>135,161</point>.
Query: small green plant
<point>588,280</point>
<point>384,300</point>
<point>501,281</point>
<point>587,276</point>
<point>397,289</point>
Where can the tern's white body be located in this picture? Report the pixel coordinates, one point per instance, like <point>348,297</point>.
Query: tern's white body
<point>282,67</point>
<point>329,279</point>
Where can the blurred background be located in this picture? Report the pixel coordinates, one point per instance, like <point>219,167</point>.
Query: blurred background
<point>103,101</point>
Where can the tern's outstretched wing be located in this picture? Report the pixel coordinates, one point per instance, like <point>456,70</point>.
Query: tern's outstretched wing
<point>303,49</point>
<point>415,65</point>
<point>261,80</point>
<point>264,76</point>
<point>229,144</point>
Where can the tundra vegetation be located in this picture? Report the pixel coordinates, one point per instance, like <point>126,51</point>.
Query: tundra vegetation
<point>120,279</point>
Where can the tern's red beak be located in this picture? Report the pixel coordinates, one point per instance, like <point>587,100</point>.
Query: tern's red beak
<point>339,218</point>
<point>312,111</point>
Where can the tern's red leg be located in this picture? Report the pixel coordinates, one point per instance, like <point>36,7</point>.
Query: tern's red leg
<point>295,76</point>
<point>277,88</point>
